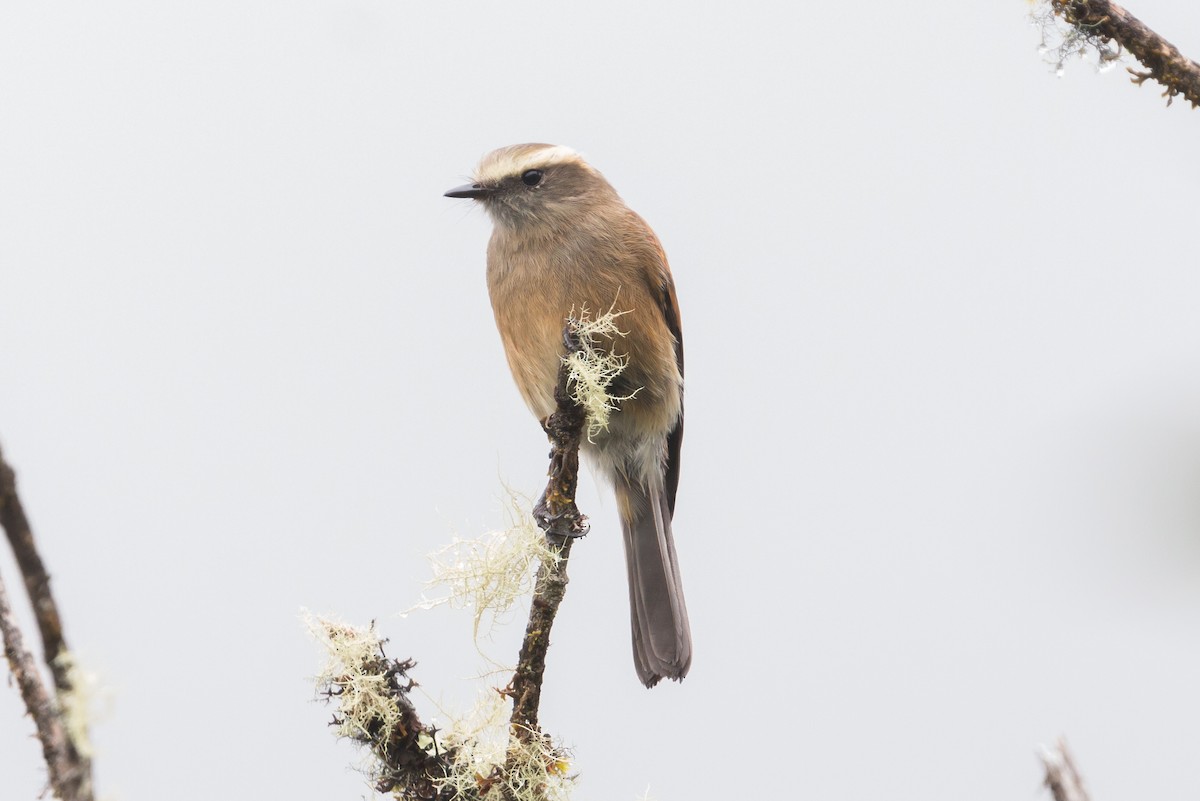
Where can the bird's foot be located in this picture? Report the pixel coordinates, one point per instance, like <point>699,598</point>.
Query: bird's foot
<point>566,522</point>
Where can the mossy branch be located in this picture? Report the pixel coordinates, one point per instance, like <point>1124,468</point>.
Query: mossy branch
<point>371,694</point>
<point>1101,21</point>
<point>562,521</point>
<point>412,760</point>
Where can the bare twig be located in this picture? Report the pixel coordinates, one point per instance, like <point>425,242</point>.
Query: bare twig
<point>37,580</point>
<point>1100,21</point>
<point>1062,777</point>
<point>558,515</point>
<point>70,770</point>
<point>526,686</point>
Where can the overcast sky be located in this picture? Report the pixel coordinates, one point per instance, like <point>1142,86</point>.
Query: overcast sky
<point>940,481</point>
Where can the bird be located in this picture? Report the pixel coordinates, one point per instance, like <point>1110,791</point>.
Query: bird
<point>563,240</point>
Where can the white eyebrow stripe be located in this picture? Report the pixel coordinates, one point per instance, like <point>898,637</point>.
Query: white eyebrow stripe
<point>496,167</point>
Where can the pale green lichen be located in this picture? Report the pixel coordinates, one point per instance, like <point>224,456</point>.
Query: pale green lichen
<point>490,573</point>
<point>490,763</point>
<point>351,676</point>
<point>77,702</point>
<point>477,753</point>
<point>593,368</point>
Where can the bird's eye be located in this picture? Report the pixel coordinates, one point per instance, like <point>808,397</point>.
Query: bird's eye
<point>531,177</point>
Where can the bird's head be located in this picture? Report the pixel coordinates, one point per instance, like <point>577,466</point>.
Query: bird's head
<point>535,184</point>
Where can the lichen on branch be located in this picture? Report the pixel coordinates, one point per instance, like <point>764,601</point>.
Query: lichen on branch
<point>592,368</point>
<point>489,574</point>
<point>483,756</point>
<point>1097,24</point>
<point>370,693</point>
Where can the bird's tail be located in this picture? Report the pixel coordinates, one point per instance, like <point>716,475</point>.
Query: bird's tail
<point>662,638</point>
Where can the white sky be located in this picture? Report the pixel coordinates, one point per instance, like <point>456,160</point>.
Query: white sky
<point>943,439</point>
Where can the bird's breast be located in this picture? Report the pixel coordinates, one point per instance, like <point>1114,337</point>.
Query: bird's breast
<point>535,287</point>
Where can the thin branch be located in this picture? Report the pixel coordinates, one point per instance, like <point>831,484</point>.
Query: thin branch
<point>70,770</point>
<point>526,685</point>
<point>371,691</point>
<point>1101,21</point>
<point>562,521</point>
<point>1062,777</point>
<point>556,511</point>
<point>37,580</point>
<point>66,778</point>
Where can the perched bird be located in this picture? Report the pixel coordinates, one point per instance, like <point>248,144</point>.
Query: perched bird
<point>562,241</point>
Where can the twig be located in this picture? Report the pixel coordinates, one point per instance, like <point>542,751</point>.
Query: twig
<point>1101,20</point>
<point>66,778</point>
<point>371,691</point>
<point>70,771</point>
<point>548,594</point>
<point>37,580</point>
<point>562,521</point>
<point>556,511</point>
<point>1062,777</point>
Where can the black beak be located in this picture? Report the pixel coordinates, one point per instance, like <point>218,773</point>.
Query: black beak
<point>473,191</point>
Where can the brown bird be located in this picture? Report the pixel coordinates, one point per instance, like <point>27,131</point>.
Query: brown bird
<point>563,240</point>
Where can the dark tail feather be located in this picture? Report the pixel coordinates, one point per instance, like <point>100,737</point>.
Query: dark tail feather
<point>662,638</point>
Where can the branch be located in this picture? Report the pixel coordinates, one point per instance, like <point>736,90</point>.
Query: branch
<point>37,580</point>
<point>373,708</point>
<point>1062,777</point>
<point>413,760</point>
<point>562,521</point>
<point>1100,21</point>
<point>70,771</point>
<point>66,777</point>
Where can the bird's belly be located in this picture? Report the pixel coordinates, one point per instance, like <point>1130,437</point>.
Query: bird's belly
<point>534,356</point>
<point>533,296</point>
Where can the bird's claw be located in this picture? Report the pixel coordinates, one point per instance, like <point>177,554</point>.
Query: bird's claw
<point>569,523</point>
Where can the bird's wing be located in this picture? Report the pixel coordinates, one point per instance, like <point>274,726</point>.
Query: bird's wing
<point>668,304</point>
